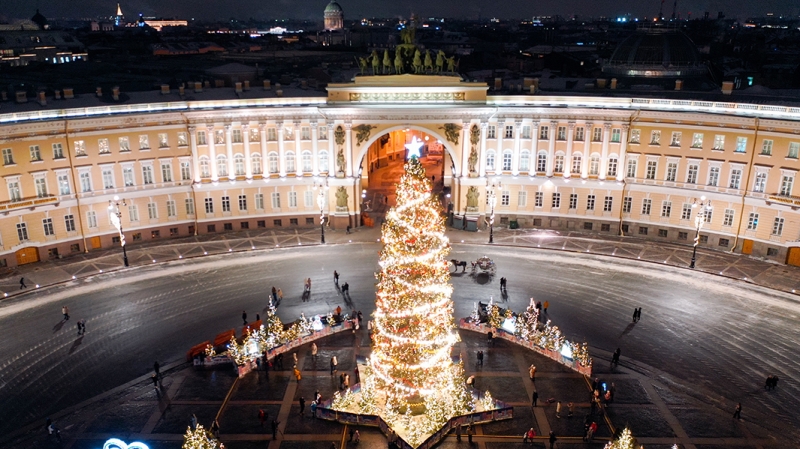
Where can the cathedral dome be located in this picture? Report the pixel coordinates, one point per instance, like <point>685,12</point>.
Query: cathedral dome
<point>655,54</point>
<point>333,7</point>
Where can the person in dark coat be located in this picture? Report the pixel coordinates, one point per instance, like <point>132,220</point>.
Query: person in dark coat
<point>275,429</point>
<point>615,357</point>
<point>302,404</point>
<point>552,439</point>
<point>535,398</point>
<point>244,317</point>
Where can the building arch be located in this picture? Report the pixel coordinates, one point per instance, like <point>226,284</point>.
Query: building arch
<point>448,146</point>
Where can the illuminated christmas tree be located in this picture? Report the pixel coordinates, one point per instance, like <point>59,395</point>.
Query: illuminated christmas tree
<point>199,438</point>
<point>625,441</point>
<point>414,327</point>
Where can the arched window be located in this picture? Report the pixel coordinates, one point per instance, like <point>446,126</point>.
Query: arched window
<point>576,163</point>
<point>323,161</point>
<point>307,161</point>
<point>205,169</point>
<point>524,161</point>
<point>290,162</point>
<point>594,164</point>
<point>238,165</point>
<point>490,160</point>
<point>255,162</point>
<point>272,160</point>
<point>558,165</point>
<point>541,162</point>
<point>222,165</point>
<point>612,166</point>
<point>507,160</point>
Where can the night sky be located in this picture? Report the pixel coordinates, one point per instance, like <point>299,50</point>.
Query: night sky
<point>312,9</point>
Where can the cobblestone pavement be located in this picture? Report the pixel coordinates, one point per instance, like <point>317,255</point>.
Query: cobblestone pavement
<point>688,352</point>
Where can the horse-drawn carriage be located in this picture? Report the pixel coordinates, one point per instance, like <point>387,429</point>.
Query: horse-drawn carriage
<point>483,265</point>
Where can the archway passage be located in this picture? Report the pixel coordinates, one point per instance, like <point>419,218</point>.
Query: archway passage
<point>383,163</point>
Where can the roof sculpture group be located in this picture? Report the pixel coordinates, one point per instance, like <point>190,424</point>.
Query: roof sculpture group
<point>408,58</point>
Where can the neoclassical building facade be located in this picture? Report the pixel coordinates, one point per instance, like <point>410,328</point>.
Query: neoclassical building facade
<point>629,166</point>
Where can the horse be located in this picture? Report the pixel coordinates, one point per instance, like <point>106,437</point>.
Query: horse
<point>459,263</point>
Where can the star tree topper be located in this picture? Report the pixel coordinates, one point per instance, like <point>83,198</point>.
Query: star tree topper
<point>414,147</point>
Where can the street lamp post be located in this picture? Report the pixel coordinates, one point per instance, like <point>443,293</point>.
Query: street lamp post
<point>116,219</point>
<point>704,206</point>
<point>491,196</point>
<point>323,186</point>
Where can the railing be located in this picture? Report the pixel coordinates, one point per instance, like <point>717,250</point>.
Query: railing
<point>31,202</point>
<point>785,199</point>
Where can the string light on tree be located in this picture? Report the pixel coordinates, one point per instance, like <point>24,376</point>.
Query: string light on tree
<point>199,438</point>
<point>625,441</point>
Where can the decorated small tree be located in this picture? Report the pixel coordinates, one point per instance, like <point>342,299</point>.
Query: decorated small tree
<point>527,327</point>
<point>199,438</point>
<point>625,441</point>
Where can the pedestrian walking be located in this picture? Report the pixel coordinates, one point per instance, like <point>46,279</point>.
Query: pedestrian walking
<point>535,398</point>
<point>470,432</point>
<point>65,312</point>
<point>558,409</point>
<point>53,430</point>
<point>528,436</point>
<point>334,362</point>
<point>313,350</point>
<point>635,312</point>
<point>258,318</point>
<point>768,384</point>
<point>346,288</point>
<point>458,432</point>
<point>357,437</point>
<point>352,434</point>
<point>275,429</point>
<point>215,428</point>
<point>297,374</point>
<point>546,305</point>
<point>280,295</point>
<point>302,404</point>
<point>339,309</point>
<point>294,356</point>
<point>274,294</point>
<point>532,373</point>
<point>22,283</point>
<point>615,357</point>
<point>553,439</point>
<point>314,409</point>
<point>244,318</point>
<point>737,413</point>
<point>480,358</point>
<point>590,432</point>
<point>358,376</point>
<point>490,338</point>
<point>157,368</point>
<point>308,284</point>
<point>262,417</point>
<point>154,379</point>
<point>638,314</point>
<point>79,327</point>
<point>335,277</point>
<point>571,407</point>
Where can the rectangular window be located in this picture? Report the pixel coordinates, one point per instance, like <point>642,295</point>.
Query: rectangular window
<point>719,142</point>
<point>794,149</point>
<point>597,134</point>
<point>522,198</point>
<point>491,132</point>
<point>259,201</point>
<point>736,178</point>
<point>309,220</point>
<point>672,171</point>
<point>590,202</point>
<point>655,138</point>
<point>666,209</point>
<point>272,134</point>
<point>728,218</point>
<point>562,133</point>
<point>219,136</point>
<point>41,186</point>
<point>36,154</point>
<point>683,235</point>
<point>676,139</point>
<point>133,212</point>
<point>724,242</point>
<point>103,147</point>
<point>713,176</point>
<point>509,134</point>
<point>226,204</point>
<point>766,147</point>
<point>209,202</point>
<point>786,185</point>
<point>242,202</point>
<point>69,223</point>
<point>608,204</point>
<point>8,157</point>
<point>58,151</point>
<point>277,223</point>
<point>91,219</point>
<point>741,145</point>
<point>189,203</point>
<point>276,200</point>
<point>183,139</point>
<point>631,169</point>
<point>292,199</point>
<point>63,184</point>
<point>308,198</point>
<point>305,133</point>
<point>662,232</point>
<point>627,204</point>
<point>147,174</point>
<point>127,176</point>
<point>691,174</point>
<point>152,211</point>
<point>777,226</point>
<point>22,232</point>
<point>47,224</point>
<point>752,221</point>
<point>173,232</point>
<point>163,141</point>
<point>558,167</point>
<point>14,192</point>
<point>80,148</point>
<point>144,142</point>
<point>201,138</point>
<point>108,178</point>
<point>526,132</point>
<point>236,136</point>
<point>86,181</point>
<point>166,172</point>
<point>760,182</point>
<point>186,172</point>
<point>697,140</point>
<point>244,225</point>
<point>544,132</point>
<point>556,200</point>
<point>636,135</point>
<point>587,226</point>
<point>261,223</point>
<point>505,198</point>
<point>124,145</point>
<point>686,211</point>
<point>171,209</point>
<point>538,199</point>
<point>605,227</point>
<point>646,203</point>
<point>642,230</point>
<point>652,166</point>
<point>573,201</point>
<point>616,135</point>
<point>579,133</point>
<point>612,167</point>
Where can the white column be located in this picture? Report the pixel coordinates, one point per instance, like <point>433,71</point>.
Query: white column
<point>587,149</point>
<point>604,154</point>
<point>348,149</point>
<point>262,129</point>
<point>331,152</point>
<point>297,159</point>
<point>195,156</point>
<point>551,148</point>
<point>281,150</point>
<point>229,148</point>
<point>500,134</point>
<point>482,150</point>
<point>568,161</point>
<point>212,152</point>
<point>314,149</point>
<point>248,168</point>
<point>534,148</point>
<point>515,156</point>
<point>623,150</point>
<point>466,145</point>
